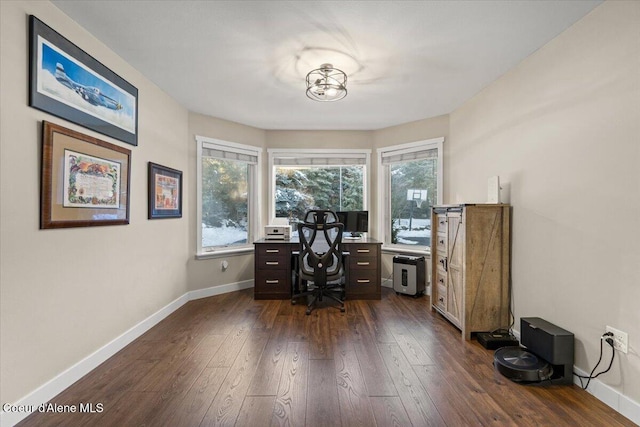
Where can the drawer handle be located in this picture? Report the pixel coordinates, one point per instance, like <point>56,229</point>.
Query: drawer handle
<point>364,281</point>
<point>441,242</point>
<point>443,261</point>
<point>363,251</point>
<point>441,299</point>
<point>272,282</point>
<point>273,251</point>
<point>363,263</point>
<point>441,280</point>
<point>442,222</point>
<point>272,263</point>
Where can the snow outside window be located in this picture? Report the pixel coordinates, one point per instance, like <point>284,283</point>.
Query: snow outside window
<point>410,179</point>
<point>227,195</point>
<point>317,179</point>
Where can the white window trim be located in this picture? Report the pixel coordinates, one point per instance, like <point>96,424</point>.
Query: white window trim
<point>318,152</point>
<point>255,202</point>
<point>384,183</point>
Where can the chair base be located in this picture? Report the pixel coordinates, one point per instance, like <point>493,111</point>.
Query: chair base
<point>335,292</point>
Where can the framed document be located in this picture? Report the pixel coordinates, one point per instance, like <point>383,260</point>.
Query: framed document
<point>85,181</point>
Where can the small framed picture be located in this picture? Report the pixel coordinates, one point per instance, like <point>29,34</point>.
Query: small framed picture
<point>165,192</point>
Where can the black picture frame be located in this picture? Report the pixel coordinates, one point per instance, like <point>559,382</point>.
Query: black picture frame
<point>165,192</point>
<point>74,170</point>
<point>68,83</point>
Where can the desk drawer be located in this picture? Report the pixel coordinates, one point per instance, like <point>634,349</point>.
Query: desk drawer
<point>272,263</point>
<point>363,284</point>
<point>272,251</point>
<point>360,249</point>
<point>363,262</point>
<point>273,284</point>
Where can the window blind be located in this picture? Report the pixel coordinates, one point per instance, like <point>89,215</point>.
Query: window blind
<point>319,159</point>
<point>229,153</point>
<point>397,156</point>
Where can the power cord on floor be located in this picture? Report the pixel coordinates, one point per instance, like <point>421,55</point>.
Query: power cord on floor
<point>609,340</point>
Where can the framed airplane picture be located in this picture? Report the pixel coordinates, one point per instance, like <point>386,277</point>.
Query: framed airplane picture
<point>69,83</point>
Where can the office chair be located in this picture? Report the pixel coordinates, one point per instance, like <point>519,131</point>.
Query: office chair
<point>320,258</point>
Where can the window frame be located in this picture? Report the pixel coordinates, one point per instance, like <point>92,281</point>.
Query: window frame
<point>384,183</point>
<point>254,199</point>
<point>318,153</point>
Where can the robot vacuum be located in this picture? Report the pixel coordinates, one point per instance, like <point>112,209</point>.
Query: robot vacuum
<point>520,365</point>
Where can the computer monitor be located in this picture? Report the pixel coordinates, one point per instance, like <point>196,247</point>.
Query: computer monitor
<point>355,222</point>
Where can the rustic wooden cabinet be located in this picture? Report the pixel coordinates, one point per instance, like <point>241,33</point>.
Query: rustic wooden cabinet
<point>273,273</point>
<point>470,266</point>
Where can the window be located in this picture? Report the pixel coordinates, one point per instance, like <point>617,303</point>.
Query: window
<point>227,195</point>
<point>323,179</point>
<point>410,178</point>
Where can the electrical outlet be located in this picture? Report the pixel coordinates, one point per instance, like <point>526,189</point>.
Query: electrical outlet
<point>620,339</point>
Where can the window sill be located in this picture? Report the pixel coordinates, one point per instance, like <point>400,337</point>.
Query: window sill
<point>392,249</point>
<point>219,253</point>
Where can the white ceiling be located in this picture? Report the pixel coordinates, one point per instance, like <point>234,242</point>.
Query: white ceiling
<point>246,61</point>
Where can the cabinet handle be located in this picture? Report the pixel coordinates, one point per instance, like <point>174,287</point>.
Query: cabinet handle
<point>273,251</point>
<point>364,280</point>
<point>272,282</point>
<point>272,263</point>
<point>363,251</point>
<point>363,263</point>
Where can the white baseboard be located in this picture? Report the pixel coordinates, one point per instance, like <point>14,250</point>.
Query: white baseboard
<point>219,290</point>
<point>611,397</point>
<point>55,386</point>
<point>606,394</point>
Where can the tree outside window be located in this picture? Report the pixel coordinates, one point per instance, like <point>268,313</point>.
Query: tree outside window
<point>300,188</point>
<point>225,204</point>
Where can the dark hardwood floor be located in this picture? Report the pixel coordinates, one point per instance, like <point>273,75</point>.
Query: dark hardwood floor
<point>230,360</point>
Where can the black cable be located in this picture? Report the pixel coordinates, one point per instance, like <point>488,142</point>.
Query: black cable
<point>609,341</point>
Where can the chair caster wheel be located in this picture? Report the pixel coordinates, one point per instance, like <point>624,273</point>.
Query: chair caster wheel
<point>293,303</point>
<point>308,311</point>
<point>341,309</point>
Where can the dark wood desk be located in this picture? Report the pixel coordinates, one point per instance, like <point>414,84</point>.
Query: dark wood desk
<point>273,271</point>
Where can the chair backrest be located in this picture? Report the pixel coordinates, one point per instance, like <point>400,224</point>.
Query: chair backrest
<point>324,216</point>
<point>321,248</point>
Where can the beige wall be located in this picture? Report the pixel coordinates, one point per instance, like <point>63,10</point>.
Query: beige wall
<point>562,131</point>
<point>65,293</point>
<point>207,273</point>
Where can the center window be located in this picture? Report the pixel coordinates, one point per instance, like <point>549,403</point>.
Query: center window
<point>317,179</point>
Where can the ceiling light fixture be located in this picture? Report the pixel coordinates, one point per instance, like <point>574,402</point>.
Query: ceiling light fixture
<point>326,84</point>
